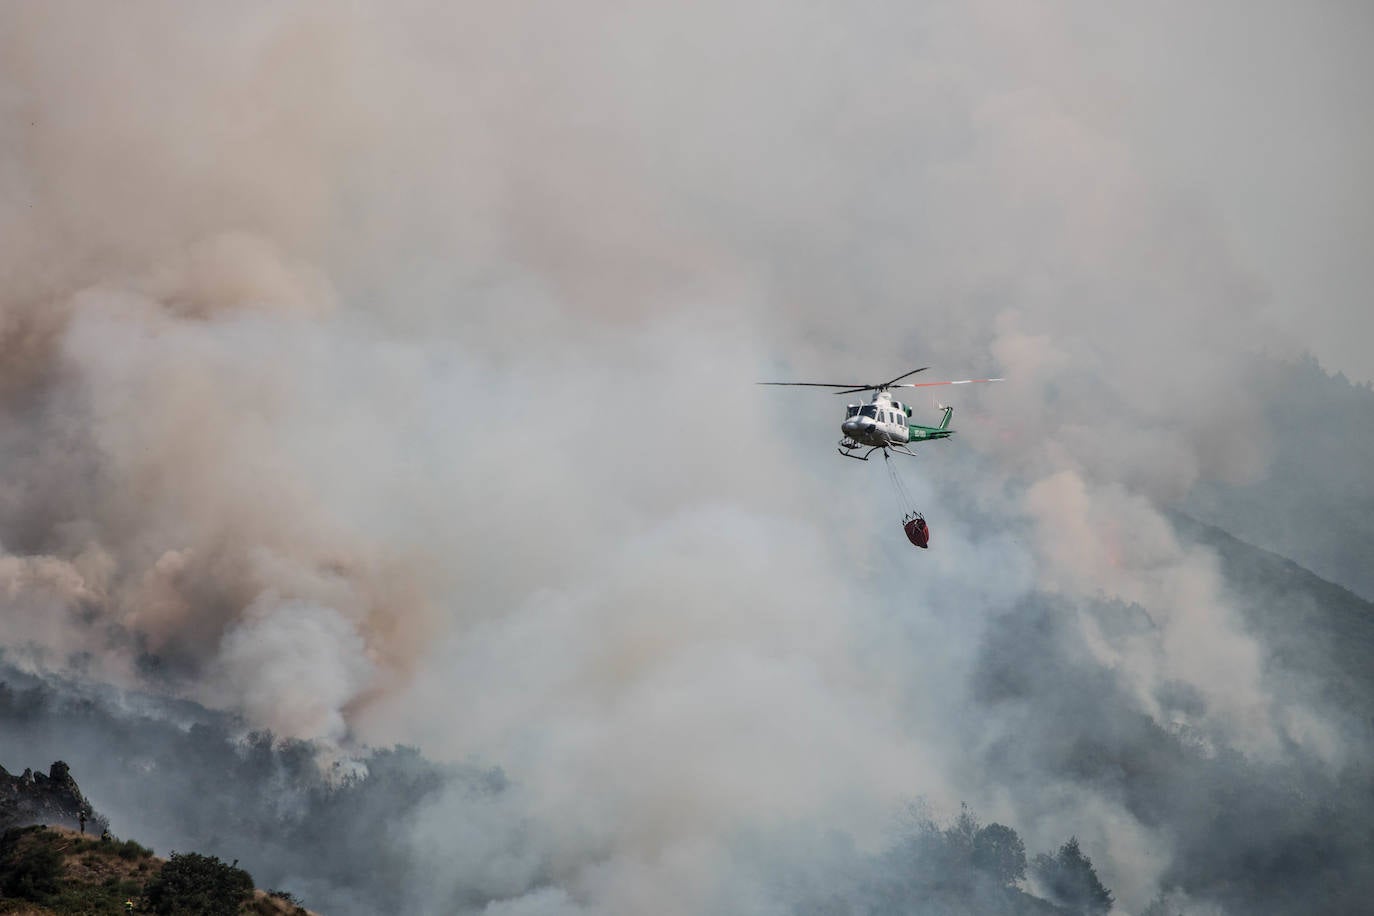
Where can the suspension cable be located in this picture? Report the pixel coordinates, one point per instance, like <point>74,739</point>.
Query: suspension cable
<point>903,495</point>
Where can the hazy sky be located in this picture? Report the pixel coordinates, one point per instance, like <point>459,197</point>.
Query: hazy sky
<point>384,373</point>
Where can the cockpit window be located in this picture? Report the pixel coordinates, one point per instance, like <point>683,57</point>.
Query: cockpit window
<point>868,411</point>
<point>853,411</point>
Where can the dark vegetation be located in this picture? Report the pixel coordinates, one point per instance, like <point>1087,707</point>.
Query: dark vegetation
<point>67,873</point>
<point>962,869</point>
<point>30,871</point>
<point>57,871</point>
<point>193,883</point>
<point>1070,881</point>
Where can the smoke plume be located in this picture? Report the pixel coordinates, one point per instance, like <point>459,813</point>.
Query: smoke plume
<point>384,373</point>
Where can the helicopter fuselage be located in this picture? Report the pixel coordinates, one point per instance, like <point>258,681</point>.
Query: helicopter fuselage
<point>880,422</point>
<point>884,422</point>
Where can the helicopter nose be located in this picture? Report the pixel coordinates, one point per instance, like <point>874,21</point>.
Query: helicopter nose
<point>855,425</point>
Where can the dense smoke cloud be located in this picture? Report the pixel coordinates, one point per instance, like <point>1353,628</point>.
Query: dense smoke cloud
<point>385,375</point>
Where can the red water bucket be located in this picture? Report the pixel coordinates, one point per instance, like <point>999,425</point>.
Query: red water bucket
<point>918,532</point>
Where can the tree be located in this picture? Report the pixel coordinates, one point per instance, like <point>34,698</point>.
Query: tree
<point>999,852</point>
<point>191,884</point>
<point>1070,880</point>
<point>955,843</point>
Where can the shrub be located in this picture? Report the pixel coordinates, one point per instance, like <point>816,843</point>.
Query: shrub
<point>30,872</point>
<point>191,883</point>
<point>130,850</point>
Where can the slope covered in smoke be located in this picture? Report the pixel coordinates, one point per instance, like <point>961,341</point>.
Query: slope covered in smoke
<point>1315,502</point>
<point>346,838</point>
<point>1318,636</point>
<point>189,779</point>
<point>1049,721</point>
<point>1230,828</point>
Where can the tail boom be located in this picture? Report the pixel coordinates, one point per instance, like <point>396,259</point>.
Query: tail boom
<point>926,433</point>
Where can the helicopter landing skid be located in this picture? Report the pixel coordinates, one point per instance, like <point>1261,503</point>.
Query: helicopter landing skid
<point>849,446</point>
<point>848,452</point>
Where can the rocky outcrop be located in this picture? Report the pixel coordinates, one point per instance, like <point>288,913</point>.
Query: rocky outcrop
<point>54,798</point>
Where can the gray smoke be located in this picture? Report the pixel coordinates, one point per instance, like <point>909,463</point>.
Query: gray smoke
<point>384,374</point>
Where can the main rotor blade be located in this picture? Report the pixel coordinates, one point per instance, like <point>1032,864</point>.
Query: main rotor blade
<point>812,384</point>
<point>889,384</point>
<point>902,376</point>
<point>964,381</point>
<point>851,388</point>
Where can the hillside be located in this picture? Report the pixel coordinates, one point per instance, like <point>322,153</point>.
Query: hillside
<point>1248,834</point>
<point>1315,502</point>
<point>58,871</point>
<point>1319,636</point>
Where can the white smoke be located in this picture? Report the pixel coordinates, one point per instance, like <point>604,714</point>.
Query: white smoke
<point>385,375</point>
<point>295,665</point>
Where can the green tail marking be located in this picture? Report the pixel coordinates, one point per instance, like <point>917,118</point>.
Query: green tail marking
<point>919,433</point>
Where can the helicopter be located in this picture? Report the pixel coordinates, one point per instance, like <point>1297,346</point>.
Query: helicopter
<point>885,423</point>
